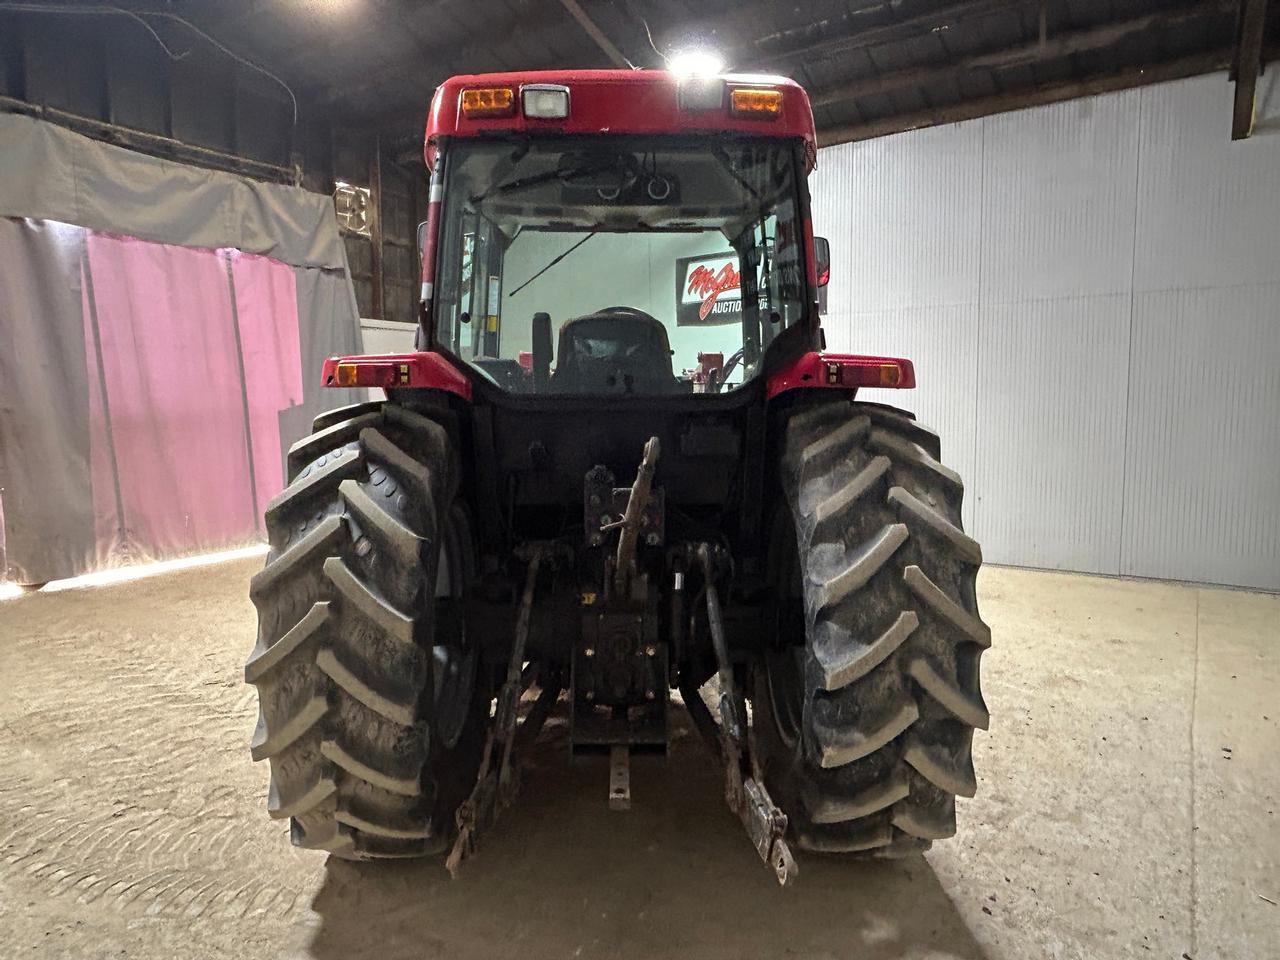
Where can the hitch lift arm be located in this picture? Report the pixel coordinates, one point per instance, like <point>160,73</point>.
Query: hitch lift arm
<point>744,788</point>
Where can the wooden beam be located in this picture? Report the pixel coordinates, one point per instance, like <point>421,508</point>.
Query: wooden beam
<point>1064,45</point>
<point>596,34</point>
<point>932,21</point>
<point>147,142</point>
<point>375,228</point>
<point>734,30</point>
<point>1247,65</point>
<point>1177,69</point>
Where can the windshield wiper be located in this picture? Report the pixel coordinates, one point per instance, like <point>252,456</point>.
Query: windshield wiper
<point>547,176</point>
<point>721,154</point>
<point>518,184</point>
<point>552,263</point>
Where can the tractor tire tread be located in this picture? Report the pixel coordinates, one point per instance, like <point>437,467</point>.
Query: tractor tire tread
<point>890,675</point>
<point>342,661</point>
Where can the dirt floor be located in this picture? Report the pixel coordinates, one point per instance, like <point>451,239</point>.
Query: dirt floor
<point>1126,806</point>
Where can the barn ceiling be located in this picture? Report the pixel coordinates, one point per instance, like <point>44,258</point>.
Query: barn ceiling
<point>871,68</point>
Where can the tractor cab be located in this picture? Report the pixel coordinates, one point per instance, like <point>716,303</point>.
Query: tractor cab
<point>686,212</point>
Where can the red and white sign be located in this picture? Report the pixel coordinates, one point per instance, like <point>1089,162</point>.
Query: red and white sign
<point>708,290</point>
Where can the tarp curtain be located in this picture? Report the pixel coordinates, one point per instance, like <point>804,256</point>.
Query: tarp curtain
<point>161,331</point>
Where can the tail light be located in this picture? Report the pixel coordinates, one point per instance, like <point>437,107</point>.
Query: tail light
<point>870,372</point>
<point>842,371</point>
<point>366,373</point>
<point>428,371</point>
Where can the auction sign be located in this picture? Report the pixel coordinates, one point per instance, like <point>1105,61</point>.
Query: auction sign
<point>708,290</point>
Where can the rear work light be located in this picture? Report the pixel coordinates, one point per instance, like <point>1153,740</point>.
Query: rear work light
<point>545,101</point>
<point>488,102</point>
<point>701,93</point>
<point>760,104</point>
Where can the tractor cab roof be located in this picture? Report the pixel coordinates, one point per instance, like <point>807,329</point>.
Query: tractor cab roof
<point>621,102</point>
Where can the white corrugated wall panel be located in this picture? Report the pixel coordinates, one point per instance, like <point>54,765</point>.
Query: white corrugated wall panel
<point>1202,490</point>
<point>902,215</point>
<point>1089,291</point>
<point>1050,423</point>
<point>1057,262</point>
<point>913,219</point>
<point>1058,209</point>
<point>1203,456</point>
<point>1208,207</point>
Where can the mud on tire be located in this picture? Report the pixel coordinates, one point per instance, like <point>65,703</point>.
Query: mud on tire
<point>867,705</point>
<point>371,706</point>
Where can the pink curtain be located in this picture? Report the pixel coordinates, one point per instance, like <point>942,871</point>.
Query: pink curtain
<point>187,380</point>
<point>267,312</point>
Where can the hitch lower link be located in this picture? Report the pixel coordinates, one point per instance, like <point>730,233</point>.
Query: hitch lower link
<point>496,786</point>
<point>745,793</point>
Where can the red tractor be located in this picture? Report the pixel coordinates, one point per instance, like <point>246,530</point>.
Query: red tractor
<point>680,487</point>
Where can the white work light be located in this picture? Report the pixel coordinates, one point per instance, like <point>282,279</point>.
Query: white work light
<point>696,63</point>
<point>545,101</point>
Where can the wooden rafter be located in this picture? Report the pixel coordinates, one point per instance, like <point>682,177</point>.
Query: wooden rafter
<point>1247,64</point>
<point>1065,44</point>
<point>1176,69</point>
<point>595,33</point>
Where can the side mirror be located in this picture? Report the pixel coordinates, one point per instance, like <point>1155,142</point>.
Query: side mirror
<point>822,260</point>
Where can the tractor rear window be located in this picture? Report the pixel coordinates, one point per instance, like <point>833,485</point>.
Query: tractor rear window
<point>657,266</point>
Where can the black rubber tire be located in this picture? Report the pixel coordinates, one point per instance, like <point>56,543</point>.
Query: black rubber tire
<point>866,706</point>
<point>372,705</point>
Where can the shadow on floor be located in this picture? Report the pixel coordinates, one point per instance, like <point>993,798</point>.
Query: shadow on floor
<point>563,876</point>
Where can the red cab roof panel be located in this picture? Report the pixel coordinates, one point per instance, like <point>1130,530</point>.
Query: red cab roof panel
<point>620,102</point>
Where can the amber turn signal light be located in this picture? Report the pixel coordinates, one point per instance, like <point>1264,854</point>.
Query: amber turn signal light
<point>761,104</point>
<point>488,102</point>
<point>347,374</point>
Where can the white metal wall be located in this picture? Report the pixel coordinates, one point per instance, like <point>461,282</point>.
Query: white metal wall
<point>1091,294</point>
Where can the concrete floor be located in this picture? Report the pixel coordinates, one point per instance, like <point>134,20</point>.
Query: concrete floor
<point>1126,806</point>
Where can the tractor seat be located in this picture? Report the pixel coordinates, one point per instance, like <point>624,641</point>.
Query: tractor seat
<point>615,350</point>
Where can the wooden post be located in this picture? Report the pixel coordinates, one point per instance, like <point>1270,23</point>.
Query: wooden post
<point>375,227</point>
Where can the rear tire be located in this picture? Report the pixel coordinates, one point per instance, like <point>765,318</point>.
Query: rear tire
<point>867,703</point>
<point>372,703</point>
